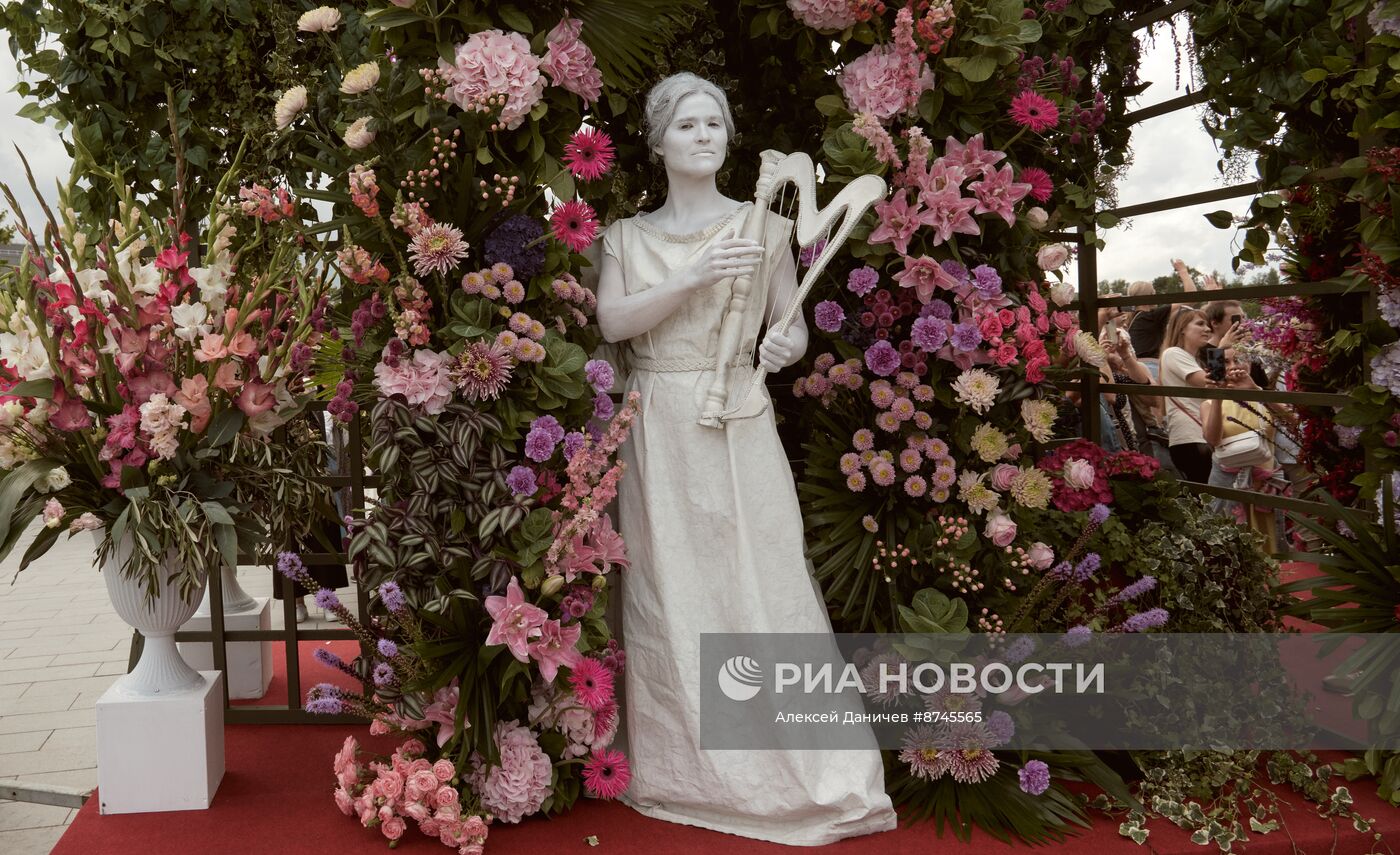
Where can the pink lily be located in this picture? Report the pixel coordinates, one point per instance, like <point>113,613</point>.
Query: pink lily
<point>513,621</point>
<point>556,646</point>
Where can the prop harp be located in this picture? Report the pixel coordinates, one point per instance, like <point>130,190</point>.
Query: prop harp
<point>848,207</point>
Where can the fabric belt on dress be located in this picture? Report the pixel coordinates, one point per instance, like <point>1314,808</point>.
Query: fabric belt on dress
<point>677,366</point>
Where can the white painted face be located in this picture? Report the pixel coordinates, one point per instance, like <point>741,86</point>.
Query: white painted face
<point>695,141</point>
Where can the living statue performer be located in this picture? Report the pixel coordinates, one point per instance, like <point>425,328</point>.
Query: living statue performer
<point>710,516</point>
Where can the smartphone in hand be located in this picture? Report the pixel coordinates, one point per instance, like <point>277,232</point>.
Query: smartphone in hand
<point>1215,363</point>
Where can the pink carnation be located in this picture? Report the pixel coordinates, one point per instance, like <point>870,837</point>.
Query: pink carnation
<point>824,14</point>
<point>516,788</point>
<point>569,62</point>
<point>885,82</point>
<point>490,63</point>
<point>426,380</point>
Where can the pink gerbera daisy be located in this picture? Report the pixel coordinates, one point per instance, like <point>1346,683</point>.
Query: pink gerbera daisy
<point>604,720</point>
<point>436,249</point>
<point>575,225</point>
<point>606,774</point>
<point>1039,179</point>
<point>589,154</point>
<point>482,371</point>
<point>593,683</point>
<point>1033,110</point>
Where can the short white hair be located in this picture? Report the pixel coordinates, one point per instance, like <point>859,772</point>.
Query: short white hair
<point>666,96</point>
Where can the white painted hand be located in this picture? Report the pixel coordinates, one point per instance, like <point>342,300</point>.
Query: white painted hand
<point>775,353</point>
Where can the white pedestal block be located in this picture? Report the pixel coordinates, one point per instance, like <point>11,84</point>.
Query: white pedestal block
<point>160,753</point>
<point>249,662</point>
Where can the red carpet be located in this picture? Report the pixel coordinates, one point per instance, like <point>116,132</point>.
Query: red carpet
<point>275,799</point>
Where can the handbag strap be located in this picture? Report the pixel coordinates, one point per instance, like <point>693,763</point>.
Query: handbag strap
<point>1193,416</point>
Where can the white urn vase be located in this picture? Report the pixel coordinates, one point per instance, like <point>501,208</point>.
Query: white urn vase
<point>236,600</point>
<point>161,670</point>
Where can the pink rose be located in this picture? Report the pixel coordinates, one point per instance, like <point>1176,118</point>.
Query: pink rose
<point>1052,256</point>
<point>1013,452</point>
<point>474,849</point>
<point>417,811</point>
<point>393,827</point>
<point>1002,476</point>
<point>377,727</point>
<point>194,397</point>
<point>474,826</point>
<point>445,796</point>
<point>344,802</point>
<point>990,326</point>
<point>1078,473</point>
<point>444,770</point>
<point>1040,556</point>
<point>429,827</point>
<point>390,783</point>
<point>1000,529</point>
<point>424,782</point>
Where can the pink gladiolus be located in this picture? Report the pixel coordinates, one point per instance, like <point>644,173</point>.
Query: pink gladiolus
<point>211,347</point>
<point>513,621</point>
<point>71,415</point>
<point>256,398</point>
<point>194,397</point>
<point>242,345</point>
<point>226,378</point>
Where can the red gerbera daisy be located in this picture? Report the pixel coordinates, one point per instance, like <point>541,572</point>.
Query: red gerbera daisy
<point>1033,110</point>
<point>1039,179</point>
<point>589,154</point>
<point>575,225</point>
<point>592,682</point>
<point>607,774</point>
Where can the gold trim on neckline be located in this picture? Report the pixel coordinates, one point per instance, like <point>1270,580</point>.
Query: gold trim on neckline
<point>708,231</point>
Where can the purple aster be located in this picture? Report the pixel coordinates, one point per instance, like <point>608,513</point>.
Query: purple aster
<point>327,600</point>
<point>1035,777</point>
<point>862,281</point>
<point>1001,727</point>
<point>882,358</point>
<point>1098,513</point>
<point>325,706</point>
<point>521,481</point>
<point>937,309</point>
<point>573,441</point>
<point>1149,619</point>
<point>829,316</point>
<point>1078,635</point>
<point>955,269</point>
<point>1133,591</point>
<point>966,337</point>
<point>391,595</point>
<point>987,281</point>
<point>387,648</point>
<point>929,334</point>
<point>383,674</point>
<point>1087,567</point>
<point>600,374</point>
<point>602,407</point>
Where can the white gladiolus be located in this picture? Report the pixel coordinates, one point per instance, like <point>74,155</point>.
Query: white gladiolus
<point>93,283</point>
<point>360,79</point>
<point>190,320</point>
<point>289,106</point>
<point>358,135</point>
<point>322,19</point>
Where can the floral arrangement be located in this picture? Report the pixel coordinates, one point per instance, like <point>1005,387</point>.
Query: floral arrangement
<point>141,389</point>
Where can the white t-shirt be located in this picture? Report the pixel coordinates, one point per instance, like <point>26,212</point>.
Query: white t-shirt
<point>1182,429</point>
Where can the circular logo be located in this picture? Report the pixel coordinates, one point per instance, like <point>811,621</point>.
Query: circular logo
<point>740,678</point>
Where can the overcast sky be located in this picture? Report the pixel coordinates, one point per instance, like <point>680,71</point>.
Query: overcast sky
<point>1173,155</point>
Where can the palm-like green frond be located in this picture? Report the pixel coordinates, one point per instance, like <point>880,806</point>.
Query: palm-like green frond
<point>628,36</point>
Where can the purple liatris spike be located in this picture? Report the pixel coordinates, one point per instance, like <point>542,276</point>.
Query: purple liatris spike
<point>327,600</point>
<point>1087,567</point>
<point>327,658</point>
<point>383,674</point>
<point>1098,513</point>
<point>392,596</point>
<point>1078,635</point>
<point>325,706</point>
<point>1142,621</point>
<point>1063,570</point>
<point>1133,591</point>
<point>289,564</point>
<point>387,648</point>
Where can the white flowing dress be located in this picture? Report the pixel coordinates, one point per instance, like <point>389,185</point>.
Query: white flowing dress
<point>715,539</point>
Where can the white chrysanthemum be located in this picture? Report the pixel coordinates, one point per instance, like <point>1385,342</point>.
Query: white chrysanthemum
<point>322,19</point>
<point>1031,488</point>
<point>289,106</point>
<point>1089,349</point>
<point>1039,417</point>
<point>979,497</point>
<point>977,388</point>
<point>358,135</point>
<point>360,79</point>
<point>989,443</point>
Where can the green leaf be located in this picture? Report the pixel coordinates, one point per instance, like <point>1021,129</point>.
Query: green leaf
<point>12,490</point>
<point>831,105</point>
<point>39,546</point>
<point>224,428</point>
<point>1220,219</point>
<point>976,69</point>
<point>515,19</point>
<point>33,389</point>
<point>216,513</point>
<point>226,537</point>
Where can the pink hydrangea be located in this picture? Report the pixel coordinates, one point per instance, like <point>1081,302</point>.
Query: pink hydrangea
<point>425,381</point>
<point>516,788</point>
<point>490,63</point>
<point>885,82</point>
<point>569,62</point>
<point>824,14</point>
